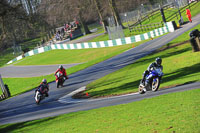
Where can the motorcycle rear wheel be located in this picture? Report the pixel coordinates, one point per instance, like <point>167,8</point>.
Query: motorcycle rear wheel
<point>141,89</point>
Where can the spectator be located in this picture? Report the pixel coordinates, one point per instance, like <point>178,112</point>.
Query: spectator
<point>67,26</point>
<point>189,15</point>
<point>58,36</point>
<point>77,24</point>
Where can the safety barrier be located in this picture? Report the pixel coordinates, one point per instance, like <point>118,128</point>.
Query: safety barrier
<point>169,27</point>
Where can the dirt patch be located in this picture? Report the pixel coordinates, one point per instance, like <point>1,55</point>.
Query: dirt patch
<point>172,46</point>
<point>169,127</point>
<point>81,95</point>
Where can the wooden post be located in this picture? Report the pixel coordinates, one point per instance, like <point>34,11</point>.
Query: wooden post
<point>198,42</point>
<point>3,87</point>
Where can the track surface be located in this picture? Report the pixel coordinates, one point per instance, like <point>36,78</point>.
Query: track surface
<point>30,71</point>
<point>23,107</point>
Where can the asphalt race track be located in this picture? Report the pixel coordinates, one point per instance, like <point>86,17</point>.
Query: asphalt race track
<point>23,107</point>
<point>30,71</point>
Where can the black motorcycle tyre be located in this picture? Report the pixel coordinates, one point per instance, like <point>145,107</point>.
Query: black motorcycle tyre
<point>154,89</point>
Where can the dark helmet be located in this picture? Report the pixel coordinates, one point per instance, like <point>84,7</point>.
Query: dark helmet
<point>60,67</point>
<point>44,81</point>
<point>158,61</point>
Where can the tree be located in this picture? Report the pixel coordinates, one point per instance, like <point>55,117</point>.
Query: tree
<point>115,13</point>
<point>16,24</point>
<point>103,21</point>
<point>81,9</point>
<point>9,13</point>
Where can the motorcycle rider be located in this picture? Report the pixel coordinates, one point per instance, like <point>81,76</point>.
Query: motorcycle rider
<point>62,71</point>
<point>156,64</point>
<point>43,88</point>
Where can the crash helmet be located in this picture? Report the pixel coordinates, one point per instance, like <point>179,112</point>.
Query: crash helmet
<point>158,61</point>
<point>60,67</point>
<point>44,81</point>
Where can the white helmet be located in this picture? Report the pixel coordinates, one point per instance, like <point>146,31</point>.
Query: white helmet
<point>60,67</point>
<point>44,81</point>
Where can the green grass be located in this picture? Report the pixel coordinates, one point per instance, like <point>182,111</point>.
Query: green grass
<point>181,65</point>
<point>179,113</point>
<point>7,55</point>
<point>71,56</point>
<point>170,11</point>
<point>21,85</point>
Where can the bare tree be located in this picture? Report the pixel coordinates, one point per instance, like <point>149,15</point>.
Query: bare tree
<point>115,13</point>
<point>99,10</point>
<point>16,24</point>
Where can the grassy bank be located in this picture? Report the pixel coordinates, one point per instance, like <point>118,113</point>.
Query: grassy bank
<point>8,55</point>
<point>181,65</point>
<point>179,113</point>
<point>71,56</point>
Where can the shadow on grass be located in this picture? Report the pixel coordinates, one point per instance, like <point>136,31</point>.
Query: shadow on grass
<point>106,81</point>
<point>182,72</point>
<point>169,54</point>
<point>17,126</point>
<point>112,90</point>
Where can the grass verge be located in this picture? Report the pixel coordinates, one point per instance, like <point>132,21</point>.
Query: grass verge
<point>179,113</point>
<point>70,56</point>
<point>181,65</point>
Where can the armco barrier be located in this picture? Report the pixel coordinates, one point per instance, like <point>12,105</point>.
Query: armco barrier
<point>109,43</point>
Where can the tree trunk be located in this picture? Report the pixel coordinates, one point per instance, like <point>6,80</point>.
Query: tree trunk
<point>86,29</point>
<point>29,7</point>
<point>98,7</point>
<point>115,13</point>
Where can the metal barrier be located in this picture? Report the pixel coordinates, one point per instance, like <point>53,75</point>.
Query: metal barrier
<point>146,27</point>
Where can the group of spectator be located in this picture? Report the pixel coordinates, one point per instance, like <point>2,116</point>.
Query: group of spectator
<point>66,30</point>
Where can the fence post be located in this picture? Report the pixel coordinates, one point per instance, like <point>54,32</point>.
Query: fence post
<point>3,87</point>
<point>198,42</point>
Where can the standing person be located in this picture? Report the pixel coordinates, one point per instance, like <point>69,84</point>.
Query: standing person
<point>189,15</point>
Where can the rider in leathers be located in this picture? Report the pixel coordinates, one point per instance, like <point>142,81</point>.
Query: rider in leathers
<point>43,88</point>
<point>156,64</point>
<point>61,70</point>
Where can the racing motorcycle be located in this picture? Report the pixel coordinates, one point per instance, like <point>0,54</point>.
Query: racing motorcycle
<point>152,81</point>
<point>39,96</point>
<point>61,79</point>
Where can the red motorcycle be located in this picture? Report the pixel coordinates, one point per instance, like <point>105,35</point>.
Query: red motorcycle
<point>60,79</point>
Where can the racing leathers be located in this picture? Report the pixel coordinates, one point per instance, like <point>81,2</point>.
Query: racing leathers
<point>62,71</point>
<point>149,69</point>
<point>43,88</point>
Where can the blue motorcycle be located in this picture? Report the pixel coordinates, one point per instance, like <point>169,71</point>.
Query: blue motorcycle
<point>152,81</point>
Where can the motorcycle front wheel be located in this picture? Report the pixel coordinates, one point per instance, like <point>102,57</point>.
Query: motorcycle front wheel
<point>37,97</point>
<point>155,84</point>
